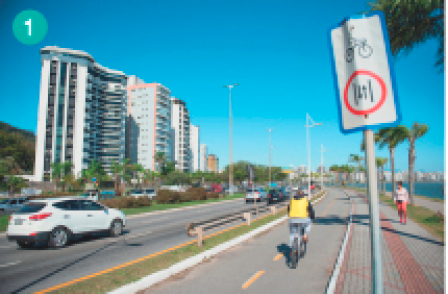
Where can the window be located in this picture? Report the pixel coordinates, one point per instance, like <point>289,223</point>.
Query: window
<point>31,208</point>
<point>67,205</point>
<point>90,205</point>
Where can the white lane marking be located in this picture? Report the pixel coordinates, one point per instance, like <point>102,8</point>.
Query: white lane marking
<point>4,247</point>
<point>10,264</point>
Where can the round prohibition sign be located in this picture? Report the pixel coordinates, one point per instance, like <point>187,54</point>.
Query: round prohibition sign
<point>377,105</point>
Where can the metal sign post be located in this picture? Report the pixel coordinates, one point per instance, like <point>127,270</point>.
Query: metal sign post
<point>366,93</point>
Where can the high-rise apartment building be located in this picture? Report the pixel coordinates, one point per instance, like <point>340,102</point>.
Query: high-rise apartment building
<point>82,110</point>
<point>149,122</point>
<point>213,163</point>
<point>180,123</point>
<point>194,146</point>
<point>203,154</point>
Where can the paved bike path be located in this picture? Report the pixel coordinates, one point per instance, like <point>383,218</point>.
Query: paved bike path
<point>228,272</point>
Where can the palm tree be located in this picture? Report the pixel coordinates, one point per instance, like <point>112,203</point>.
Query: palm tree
<point>160,159</point>
<point>137,170</point>
<point>415,132</point>
<point>355,158</point>
<point>117,169</point>
<point>392,137</point>
<point>411,23</point>
<point>56,173</point>
<point>380,163</point>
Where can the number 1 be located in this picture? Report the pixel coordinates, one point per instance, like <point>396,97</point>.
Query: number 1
<point>28,23</point>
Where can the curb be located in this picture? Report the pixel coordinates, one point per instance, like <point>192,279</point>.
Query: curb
<point>159,276</point>
<point>334,277</point>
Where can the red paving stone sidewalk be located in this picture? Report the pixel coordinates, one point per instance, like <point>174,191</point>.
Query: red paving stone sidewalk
<point>407,252</point>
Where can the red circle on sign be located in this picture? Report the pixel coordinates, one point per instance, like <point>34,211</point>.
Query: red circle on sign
<point>383,93</point>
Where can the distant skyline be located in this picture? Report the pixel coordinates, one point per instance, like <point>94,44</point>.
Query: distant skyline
<point>278,53</point>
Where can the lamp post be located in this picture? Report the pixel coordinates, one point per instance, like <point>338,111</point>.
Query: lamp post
<point>309,120</point>
<point>322,150</point>
<point>230,138</point>
<point>270,147</point>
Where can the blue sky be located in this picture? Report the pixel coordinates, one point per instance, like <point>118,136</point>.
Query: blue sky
<point>276,50</point>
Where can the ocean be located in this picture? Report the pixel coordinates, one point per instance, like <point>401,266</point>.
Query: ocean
<point>427,189</point>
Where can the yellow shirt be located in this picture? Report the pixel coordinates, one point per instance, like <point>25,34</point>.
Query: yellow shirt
<point>298,208</point>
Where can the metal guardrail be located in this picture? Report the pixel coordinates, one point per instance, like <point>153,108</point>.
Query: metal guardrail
<point>198,228</point>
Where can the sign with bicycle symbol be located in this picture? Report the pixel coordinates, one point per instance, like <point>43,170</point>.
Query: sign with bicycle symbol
<point>363,73</point>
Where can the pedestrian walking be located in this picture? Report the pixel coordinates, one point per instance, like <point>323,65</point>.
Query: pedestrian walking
<point>401,198</point>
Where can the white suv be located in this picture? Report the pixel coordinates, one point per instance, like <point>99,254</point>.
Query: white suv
<point>56,220</point>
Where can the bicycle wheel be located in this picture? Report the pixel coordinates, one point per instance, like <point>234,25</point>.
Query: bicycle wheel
<point>294,258</point>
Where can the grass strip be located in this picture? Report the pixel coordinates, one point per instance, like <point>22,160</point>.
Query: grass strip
<point>428,219</point>
<point>159,207</point>
<point>117,278</point>
<point>4,220</point>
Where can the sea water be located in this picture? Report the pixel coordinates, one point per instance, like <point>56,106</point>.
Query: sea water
<point>427,189</point>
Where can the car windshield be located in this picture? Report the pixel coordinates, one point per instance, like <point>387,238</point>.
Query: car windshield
<point>250,190</point>
<point>137,192</point>
<point>4,201</point>
<point>31,207</point>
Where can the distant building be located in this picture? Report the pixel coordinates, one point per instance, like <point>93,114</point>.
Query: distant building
<point>82,112</point>
<point>194,146</point>
<point>321,169</point>
<point>180,122</point>
<point>149,122</point>
<point>302,170</point>
<point>203,154</point>
<point>213,163</point>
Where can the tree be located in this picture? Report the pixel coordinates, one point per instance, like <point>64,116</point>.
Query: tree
<point>415,132</point>
<point>380,162</point>
<point>14,183</point>
<point>117,169</point>
<point>56,173</point>
<point>410,23</point>
<point>392,137</point>
<point>137,170</point>
<point>355,158</point>
<point>95,170</point>
<point>160,159</point>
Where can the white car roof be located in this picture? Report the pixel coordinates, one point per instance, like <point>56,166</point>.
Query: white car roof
<point>57,199</point>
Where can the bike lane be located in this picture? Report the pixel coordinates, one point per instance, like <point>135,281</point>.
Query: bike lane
<point>261,264</point>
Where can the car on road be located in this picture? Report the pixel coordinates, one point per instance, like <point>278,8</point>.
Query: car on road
<point>275,195</point>
<point>257,194</point>
<point>55,221</point>
<point>12,204</point>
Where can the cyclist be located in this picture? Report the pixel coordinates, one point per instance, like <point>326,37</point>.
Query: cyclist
<point>300,213</point>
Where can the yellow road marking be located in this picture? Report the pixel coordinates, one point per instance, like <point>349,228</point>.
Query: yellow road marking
<point>329,207</point>
<point>251,280</point>
<point>278,256</point>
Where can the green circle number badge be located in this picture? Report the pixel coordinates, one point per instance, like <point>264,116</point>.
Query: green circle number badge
<point>30,27</point>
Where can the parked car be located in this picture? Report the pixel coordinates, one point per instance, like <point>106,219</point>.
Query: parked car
<point>275,195</point>
<point>233,189</point>
<point>257,194</point>
<point>55,221</point>
<point>12,204</point>
<point>144,193</point>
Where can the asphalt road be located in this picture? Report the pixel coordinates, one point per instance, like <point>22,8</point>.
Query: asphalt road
<point>265,257</point>
<point>30,270</point>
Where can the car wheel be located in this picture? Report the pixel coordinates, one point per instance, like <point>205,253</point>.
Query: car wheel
<point>116,228</point>
<point>58,238</point>
<point>23,244</point>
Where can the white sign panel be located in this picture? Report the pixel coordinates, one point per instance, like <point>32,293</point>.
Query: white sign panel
<point>363,73</point>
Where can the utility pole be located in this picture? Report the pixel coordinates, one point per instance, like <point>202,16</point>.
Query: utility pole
<point>230,139</point>
<point>270,156</point>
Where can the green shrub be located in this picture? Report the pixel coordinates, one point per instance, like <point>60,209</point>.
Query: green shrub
<point>212,195</point>
<point>198,193</point>
<point>167,196</point>
<point>186,196</point>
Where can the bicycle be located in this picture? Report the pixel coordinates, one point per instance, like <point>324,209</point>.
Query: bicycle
<point>364,49</point>
<point>297,252</point>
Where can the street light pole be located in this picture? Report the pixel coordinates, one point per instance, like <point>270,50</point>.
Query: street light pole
<point>309,119</point>
<point>322,165</point>
<point>230,139</point>
<point>270,130</point>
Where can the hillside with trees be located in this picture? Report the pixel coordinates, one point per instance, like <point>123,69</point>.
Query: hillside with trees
<point>18,144</point>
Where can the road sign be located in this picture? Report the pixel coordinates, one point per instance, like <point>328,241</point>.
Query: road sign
<point>363,73</point>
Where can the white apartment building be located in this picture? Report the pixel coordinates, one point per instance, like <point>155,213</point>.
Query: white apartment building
<point>302,169</point>
<point>321,169</point>
<point>149,122</point>
<point>180,123</point>
<point>203,154</point>
<point>194,145</point>
<point>82,109</point>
